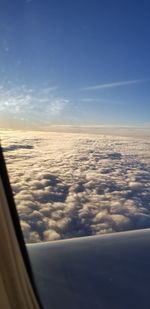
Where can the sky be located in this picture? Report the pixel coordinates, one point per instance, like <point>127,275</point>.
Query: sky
<point>74,62</point>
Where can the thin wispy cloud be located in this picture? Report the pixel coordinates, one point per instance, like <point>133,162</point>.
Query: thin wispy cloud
<point>49,90</point>
<point>18,102</point>
<point>114,84</point>
<point>57,106</point>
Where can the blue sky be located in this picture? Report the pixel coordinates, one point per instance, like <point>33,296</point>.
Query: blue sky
<point>74,62</point>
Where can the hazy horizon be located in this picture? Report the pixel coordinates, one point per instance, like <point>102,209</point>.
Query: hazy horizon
<point>136,131</point>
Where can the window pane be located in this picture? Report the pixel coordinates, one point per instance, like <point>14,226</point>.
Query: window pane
<point>74,115</point>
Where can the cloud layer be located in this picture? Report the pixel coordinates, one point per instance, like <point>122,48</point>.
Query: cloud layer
<point>69,185</point>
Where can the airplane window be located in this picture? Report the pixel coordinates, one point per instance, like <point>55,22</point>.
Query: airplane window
<point>75,115</point>
<point>75,133</point>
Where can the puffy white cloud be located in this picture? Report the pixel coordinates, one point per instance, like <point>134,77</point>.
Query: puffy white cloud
<point>51,235</point>
<point>70,185</point>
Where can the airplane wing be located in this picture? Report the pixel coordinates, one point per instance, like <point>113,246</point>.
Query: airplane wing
<point>99,272</point>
